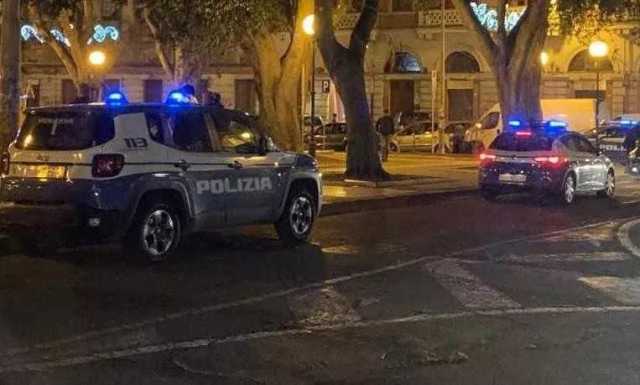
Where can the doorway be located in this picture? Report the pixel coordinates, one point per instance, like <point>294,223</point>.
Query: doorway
<point>460,105</point>
<point>402,96</point>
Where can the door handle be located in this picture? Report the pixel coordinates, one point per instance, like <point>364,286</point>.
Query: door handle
<point>235,165</point>
<point>183,165</point>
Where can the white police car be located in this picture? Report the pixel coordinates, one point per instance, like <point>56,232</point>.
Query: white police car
<point>149,174</point>
<point>545,158</point>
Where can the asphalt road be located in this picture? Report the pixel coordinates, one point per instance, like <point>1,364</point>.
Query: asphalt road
<point>458,291</point>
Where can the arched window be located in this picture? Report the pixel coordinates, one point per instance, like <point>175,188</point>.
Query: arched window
<point>462,62</point>
<point>403,62</point>
<point>584,62</point>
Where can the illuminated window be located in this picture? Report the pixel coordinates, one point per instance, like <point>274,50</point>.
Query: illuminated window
<point>403,62</point>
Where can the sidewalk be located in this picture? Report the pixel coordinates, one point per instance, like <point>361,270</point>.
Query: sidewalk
<point>418,177</point>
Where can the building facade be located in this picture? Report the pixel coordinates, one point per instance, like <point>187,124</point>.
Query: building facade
<point>403,66</point>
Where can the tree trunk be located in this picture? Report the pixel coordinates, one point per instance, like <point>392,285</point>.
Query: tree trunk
<point>277,92</point>
<point>363,161</point>
<point>10,72</point>
<point>346,68</point>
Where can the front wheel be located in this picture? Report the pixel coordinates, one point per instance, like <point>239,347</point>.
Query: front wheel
<point>610,190</point>
<point>568,191</point>
<point>156,231</point>
<point>298,217</point>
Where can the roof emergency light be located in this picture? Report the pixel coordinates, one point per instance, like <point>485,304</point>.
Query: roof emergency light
<point>115,98</point>
<point>515,123</point>
<point>179,97</point>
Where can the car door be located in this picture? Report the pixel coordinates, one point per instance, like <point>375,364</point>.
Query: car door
<point>597,165</point>
<point>256,183</point>
<point>405,139</point>
<point>581,160</point>
<point>422,137</point>
<point>191,154</point>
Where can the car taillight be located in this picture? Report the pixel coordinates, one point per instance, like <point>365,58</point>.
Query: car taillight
<point>551,160</point>
<point>107,165</point>
<point>486,158</point>
<point>5,162</point>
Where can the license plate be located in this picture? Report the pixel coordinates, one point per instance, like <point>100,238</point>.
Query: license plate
<point>513,178</point>
<point>38,171</point>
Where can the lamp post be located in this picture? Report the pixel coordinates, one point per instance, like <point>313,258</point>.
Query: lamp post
<point>598,50</point>
<point>97,59</point>
<point>308,26</point>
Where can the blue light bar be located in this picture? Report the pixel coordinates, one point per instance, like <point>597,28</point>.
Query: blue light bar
<point>557,124</point>
<point>115,98</point>
<point>628,122</point>
<point>515,123</point>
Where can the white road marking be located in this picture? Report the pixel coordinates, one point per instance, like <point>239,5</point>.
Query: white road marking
<point>48,364</point>
<point>600,256</point>
<point>467,288</point>
<point>81,337</point>
<point>623,290</point>
<point>624,237</point>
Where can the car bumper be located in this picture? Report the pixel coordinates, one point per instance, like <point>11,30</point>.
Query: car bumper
<point>536,180</point>
<point>83,222</point>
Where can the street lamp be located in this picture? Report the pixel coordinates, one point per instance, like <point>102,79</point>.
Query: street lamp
<point>598,50</point>
<point>544,58</point>
<point>97,58</point>
<point>308,26</point>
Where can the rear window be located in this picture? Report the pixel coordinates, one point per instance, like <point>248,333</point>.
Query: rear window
<point>512,142</point>
<point>65,130</point>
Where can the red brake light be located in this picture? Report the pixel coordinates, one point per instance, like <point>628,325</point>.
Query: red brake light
<point>525,134</point>
<point>487,157</point>
<point>550,159</point>
<point>107,165</point>
<point>5,162</point>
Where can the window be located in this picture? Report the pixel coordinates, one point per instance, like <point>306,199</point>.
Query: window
<point>402,6</point>
<point>584,62</point>
<point>190,132</point>
<point>490,121</point>
<point>238,135</point>
<point>404,62</point>
<point>62,130</point>
<point>584,145</point>
<point>462,62</point>
<point>156,126</point>
<point>511,142</point>
<point>69,91</point>
<point>153,91</point>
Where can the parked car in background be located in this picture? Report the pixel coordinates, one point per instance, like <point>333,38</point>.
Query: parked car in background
<point>332,136</point>
<point>415,137</point>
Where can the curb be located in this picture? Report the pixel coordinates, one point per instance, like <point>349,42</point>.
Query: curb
<point>409,200</point>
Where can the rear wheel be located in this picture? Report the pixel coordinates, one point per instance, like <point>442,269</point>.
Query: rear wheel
<point>610,190</point>
<point>394,147</point>
<point>298,217</point>
<point>568,191</point>
<point>156,231</point>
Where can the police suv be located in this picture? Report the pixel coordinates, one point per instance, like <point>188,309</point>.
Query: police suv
<point>547,159</point>
<point>149,174</point>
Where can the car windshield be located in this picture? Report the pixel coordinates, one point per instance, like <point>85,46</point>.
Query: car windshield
<point>514,142</point>
<point>65,130</point>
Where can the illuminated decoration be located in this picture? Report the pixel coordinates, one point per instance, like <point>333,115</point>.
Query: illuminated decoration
<point>102,33</point>
<point>29,31</point>
<point>488,17</point>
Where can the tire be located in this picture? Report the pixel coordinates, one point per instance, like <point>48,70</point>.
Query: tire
<point>610,191</point>
<point>489,194</point>
<point>568,189</point>
<point>393,147</point>
<point>156,231</point>
<point>298,217</point>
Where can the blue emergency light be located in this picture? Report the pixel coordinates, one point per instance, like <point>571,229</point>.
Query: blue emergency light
<point>115,98</point>
<point>556,124</point>
<point>628,122</point>
<point>515,123</point>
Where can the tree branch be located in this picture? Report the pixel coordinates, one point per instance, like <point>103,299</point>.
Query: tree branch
<point>527,35</point>
<point>327,43</point>
<point>501,35</point>
<point>362,31</point>
<point>486,44</point>
<point>159,48</point>
<point>293,56</point>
